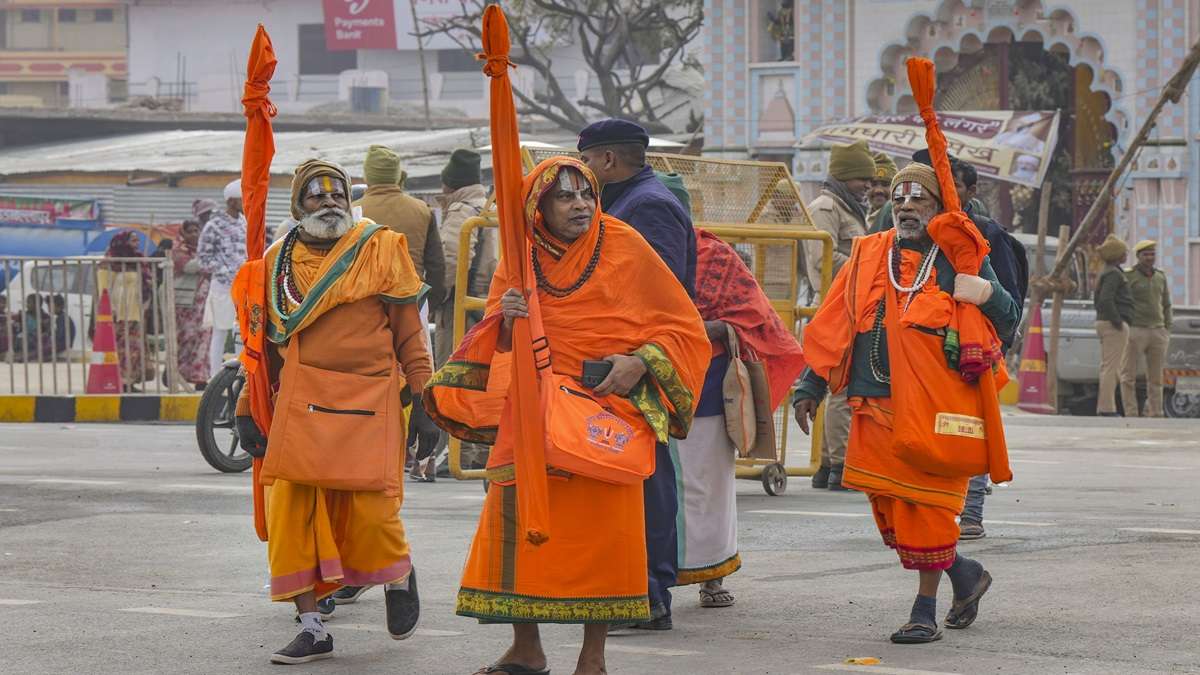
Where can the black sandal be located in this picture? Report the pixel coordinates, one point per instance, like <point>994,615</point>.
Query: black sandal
<point>511,669</point>
<point>916,634</point>
<point>963,612</point>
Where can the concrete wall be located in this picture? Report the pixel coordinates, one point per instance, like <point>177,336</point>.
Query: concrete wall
<point>215,37</point>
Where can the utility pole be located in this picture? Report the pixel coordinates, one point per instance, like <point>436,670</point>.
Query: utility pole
<point>412,5</point>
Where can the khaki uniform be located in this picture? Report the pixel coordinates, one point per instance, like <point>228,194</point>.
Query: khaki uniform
<point>389,205</point>
<point>457,207</point>
<point>1149,334</point>
<point>830,214</point>
<point>1114,314</point>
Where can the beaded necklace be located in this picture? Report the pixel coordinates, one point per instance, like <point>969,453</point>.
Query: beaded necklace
<point>924,270</point>
<point>285,289</point>
<point>557,292</point>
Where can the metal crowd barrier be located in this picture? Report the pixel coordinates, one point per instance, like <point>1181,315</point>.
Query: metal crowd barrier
<point>766,242</point>
<point>46,352</point>
<point>464,303</point>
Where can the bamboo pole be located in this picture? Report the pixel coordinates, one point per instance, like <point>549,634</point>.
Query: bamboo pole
<point>1171,93</point>
<point>1055,321</point>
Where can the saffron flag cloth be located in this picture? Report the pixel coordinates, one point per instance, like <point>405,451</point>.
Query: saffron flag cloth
<point>726,290</point>
<point>529,433</point>
<point>979,355</point>
<point>249,287</point>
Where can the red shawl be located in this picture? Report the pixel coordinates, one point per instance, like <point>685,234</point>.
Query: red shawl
<point>726,290</point>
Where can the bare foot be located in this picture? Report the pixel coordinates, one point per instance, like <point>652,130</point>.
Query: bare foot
<point>588,666</point>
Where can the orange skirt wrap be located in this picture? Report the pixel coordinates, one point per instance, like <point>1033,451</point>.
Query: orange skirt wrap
<point>323,539</point>
<point>915,511</point>
<point>593,570</point>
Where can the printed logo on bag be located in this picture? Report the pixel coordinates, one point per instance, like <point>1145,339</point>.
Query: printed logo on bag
<point>950,424</point>
<point>609,432</point>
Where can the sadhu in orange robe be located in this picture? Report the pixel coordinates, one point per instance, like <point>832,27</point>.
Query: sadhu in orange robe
<point>914,510</point>
<point>359,315</point>
<point>593,567</point>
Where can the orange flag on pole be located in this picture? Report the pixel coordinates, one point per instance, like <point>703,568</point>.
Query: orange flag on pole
<point>965,248</point>
<point>249,289</point>
<point>533,511</point>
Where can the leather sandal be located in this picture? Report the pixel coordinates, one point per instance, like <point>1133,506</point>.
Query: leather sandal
<point>964,612</point>
<point>916,633</point>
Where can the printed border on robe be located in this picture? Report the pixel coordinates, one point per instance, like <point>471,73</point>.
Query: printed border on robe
<point>513,608</point>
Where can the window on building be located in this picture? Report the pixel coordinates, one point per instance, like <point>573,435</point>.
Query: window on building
<point>102,15</point>
<point>31,16</point>
<point>315,59</point>
<point>456,61</point>
<point>66,16</point>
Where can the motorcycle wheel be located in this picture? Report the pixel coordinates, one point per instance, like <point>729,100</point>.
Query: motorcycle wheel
<point>216,423</point>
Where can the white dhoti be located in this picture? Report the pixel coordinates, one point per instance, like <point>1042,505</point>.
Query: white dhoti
<point>219,312</point>
<point>707,519</point>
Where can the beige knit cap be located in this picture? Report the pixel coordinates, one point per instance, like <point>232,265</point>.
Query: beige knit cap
<point>921,174</point>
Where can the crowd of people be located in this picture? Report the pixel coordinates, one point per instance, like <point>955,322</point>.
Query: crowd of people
<point>42,331</point>
<point>635,322</point>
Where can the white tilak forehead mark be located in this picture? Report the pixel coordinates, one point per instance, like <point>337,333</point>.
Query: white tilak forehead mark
<point>911,189</point>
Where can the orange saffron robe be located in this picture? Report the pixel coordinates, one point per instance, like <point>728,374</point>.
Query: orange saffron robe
<point>361,318</point>
<point>592,569</point>
<point>914,510</point>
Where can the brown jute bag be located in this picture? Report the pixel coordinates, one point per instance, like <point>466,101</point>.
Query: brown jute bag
<point>738,392</point>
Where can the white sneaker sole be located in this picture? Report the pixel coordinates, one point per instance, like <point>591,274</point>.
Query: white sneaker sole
<point>295,660</point>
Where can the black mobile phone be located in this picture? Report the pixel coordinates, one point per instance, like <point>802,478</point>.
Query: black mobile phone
<point>594,372</point>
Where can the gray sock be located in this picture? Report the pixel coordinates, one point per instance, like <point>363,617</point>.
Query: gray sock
<point>964,574</point>
<point>924,611</point>
<point>311,622</point>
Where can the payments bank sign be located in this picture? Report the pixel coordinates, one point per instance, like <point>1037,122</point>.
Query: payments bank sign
<point>360,24</point>
<point>384,24</point>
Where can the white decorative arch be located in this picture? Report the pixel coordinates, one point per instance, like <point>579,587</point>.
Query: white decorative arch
<point>955,29</point>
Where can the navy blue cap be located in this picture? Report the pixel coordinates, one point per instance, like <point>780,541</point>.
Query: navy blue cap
<point>612,132</point>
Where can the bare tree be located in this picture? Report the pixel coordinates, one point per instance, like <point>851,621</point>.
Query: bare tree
<point>629,46</point>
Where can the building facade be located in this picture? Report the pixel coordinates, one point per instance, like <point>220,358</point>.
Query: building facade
<point>59,53</point>
<point>777,69</point>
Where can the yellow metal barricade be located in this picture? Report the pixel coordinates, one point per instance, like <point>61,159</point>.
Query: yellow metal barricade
<point>745,203</point>
<point>464,303</point>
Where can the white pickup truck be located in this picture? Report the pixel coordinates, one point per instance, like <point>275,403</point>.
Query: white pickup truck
<point>1078,367</point>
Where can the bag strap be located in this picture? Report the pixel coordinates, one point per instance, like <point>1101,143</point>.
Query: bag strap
<point>731,340</point>
<point>541,345</point>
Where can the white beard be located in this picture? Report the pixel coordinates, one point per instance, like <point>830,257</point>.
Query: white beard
<point>327,224</point>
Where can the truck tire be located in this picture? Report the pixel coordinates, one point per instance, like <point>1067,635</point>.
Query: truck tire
<point>1180,406</point>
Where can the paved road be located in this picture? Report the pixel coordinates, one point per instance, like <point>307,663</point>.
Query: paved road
<point>122,552</point>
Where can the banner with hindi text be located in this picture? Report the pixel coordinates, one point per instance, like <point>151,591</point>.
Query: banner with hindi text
<point>1012,146</point>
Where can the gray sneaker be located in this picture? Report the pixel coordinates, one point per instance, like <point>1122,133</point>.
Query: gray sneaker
<point>969,530</point>
<point>303,649</point>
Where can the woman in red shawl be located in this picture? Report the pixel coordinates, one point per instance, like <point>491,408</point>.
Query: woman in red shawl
<point>191,291</point>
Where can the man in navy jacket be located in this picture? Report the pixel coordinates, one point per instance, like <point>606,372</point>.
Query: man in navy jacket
<point>615,150</point>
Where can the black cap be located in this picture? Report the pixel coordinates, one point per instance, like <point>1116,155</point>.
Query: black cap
<point>612,132</point>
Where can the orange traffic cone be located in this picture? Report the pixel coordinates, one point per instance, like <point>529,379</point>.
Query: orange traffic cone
<point>104,374</point>
<point>1034,394</point>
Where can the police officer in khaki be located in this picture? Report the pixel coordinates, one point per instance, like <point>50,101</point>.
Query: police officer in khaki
<point>1114,313</point>
<point>1149,331</point>
<point>840,210</point>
